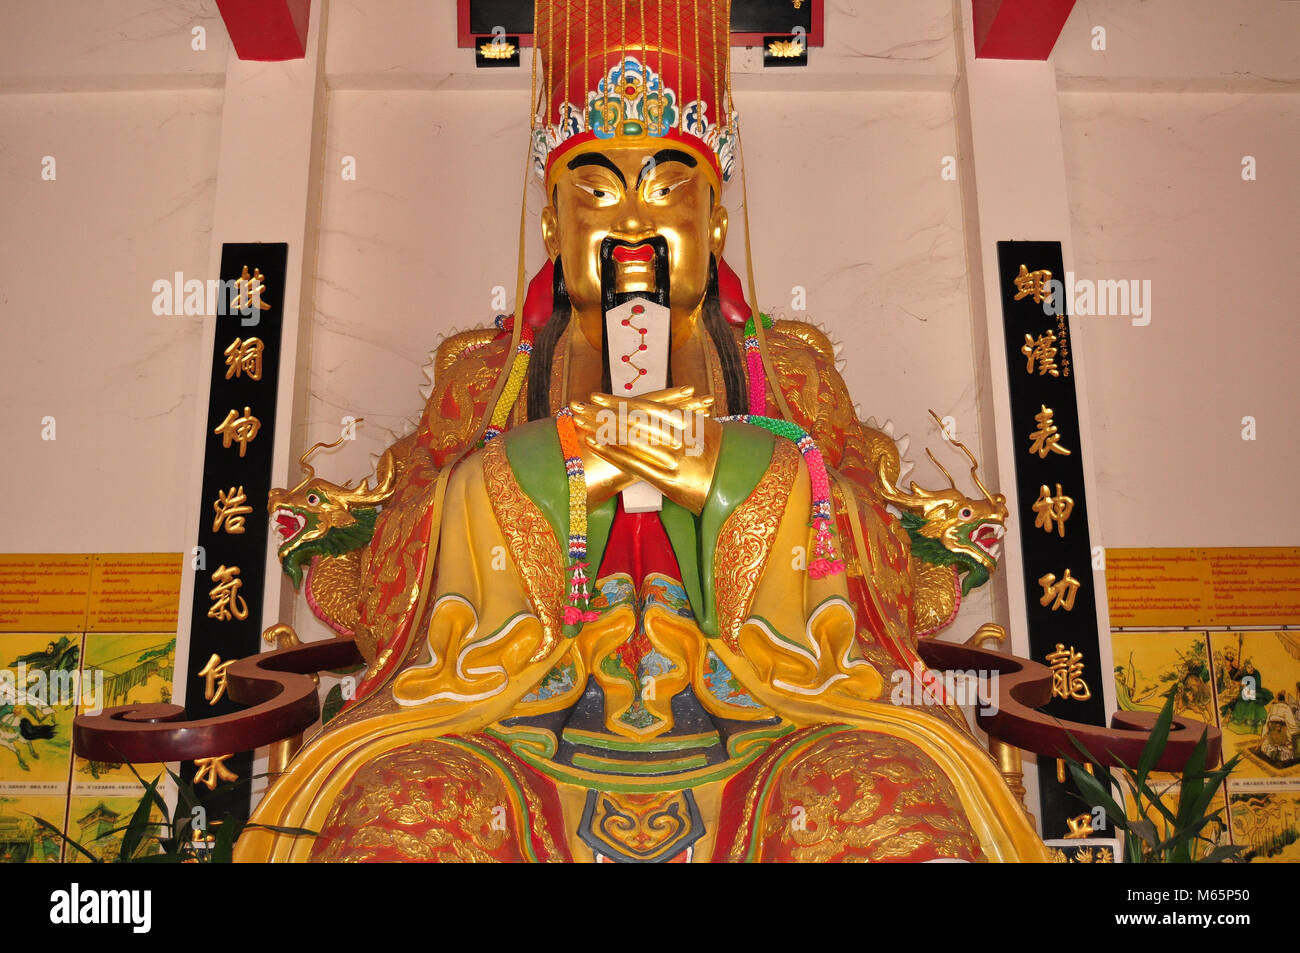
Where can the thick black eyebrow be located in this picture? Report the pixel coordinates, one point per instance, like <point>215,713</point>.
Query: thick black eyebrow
<point>597,158</point>
<point>665,155</point>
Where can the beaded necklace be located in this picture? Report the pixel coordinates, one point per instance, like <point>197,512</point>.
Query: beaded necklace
<point>754,365</point>
<point>514,382</point>
<point>824,561</point>
<point>579,607</point>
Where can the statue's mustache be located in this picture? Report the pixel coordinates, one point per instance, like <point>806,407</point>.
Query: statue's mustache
<point>609,269</point>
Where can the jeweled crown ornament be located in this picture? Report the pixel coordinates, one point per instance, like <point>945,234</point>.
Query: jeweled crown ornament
<point>631,70</point>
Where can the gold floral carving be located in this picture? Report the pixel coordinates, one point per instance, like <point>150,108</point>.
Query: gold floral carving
<point>849,553</point>
<point>796,367</point>
<point>809,335</point>
<point>935,594</point>
<point>741,844</point>
<point>828,820</point>
<point>389,557</point>
<point>890,581</point>
<point>745,541</point>
<point>390,807</point>
<point>454,348</point>
<point>336,588</point>
<point>531,543</point>
<point>466,372</point>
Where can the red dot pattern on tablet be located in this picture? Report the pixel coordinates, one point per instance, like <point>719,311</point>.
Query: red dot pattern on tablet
<point>627,358</point>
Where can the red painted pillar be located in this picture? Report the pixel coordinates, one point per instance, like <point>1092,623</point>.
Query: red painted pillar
<point>267,29</point>
<point>1018,29</point>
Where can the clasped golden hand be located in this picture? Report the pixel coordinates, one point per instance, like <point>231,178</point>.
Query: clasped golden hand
<point>665,438</point>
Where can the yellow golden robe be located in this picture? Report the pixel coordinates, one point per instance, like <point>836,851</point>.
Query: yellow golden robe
<point>470,657</point>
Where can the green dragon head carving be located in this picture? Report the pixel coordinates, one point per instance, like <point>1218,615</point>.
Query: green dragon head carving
<point>947,527</point>
<point>320,518</point>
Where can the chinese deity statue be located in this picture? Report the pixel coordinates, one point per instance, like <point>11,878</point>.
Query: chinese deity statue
<point>604,623</point>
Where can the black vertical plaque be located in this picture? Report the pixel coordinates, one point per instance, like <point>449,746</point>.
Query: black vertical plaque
<point>1046,552</point>
<point>223,468</point>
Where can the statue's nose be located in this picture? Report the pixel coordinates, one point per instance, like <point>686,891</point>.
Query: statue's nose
<point>635,223</point>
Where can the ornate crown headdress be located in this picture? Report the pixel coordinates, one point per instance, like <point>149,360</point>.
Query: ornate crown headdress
<point>631,70</point>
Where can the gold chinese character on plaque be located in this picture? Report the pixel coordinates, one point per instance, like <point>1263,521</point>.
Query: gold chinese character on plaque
<point>1067,674</point>
<point>231,507</point>
<point>244,357</point>
<point>248,291</point>
<point>1046,438</point>
<point>211,770</point>
<point>1079,827</point>
<point>227,603</point>
<point>1033,283</point>
<point>1052,511</point>
<point>214,678</point>
<point>237,429</point>
<point>1062,591</point>
<point>1041,351</point>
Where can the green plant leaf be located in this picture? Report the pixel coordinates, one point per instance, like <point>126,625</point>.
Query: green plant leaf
<point>1143,790</point>
<point>296,831</point>
<point>224,846</point>
<point>1081,748</point>
<point>182,839</point>
<point>1193,782</point>
<point>1095,792</point>
<point>139,824</point>
<point>1223,853</point>
<point>1181,840</point>
<point>65,838</point>
<point>1155,745</point>
<point>1145,830</point>
<point>157,797</point>
<point>1210,791</point>
<point>185,793</point>
<point>333,704</point>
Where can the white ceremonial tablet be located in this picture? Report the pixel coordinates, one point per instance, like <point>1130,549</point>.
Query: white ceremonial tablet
<point>638,334</point>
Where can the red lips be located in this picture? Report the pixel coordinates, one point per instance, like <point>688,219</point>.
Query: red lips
<point>626,253</point>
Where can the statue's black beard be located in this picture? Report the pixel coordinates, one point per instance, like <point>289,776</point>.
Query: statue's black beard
<point>611,299</point>
<point>729,353</point>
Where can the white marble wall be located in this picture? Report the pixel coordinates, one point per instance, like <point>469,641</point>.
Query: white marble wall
<point>81,45</point>
<point>131,203</point>
<point>129,109</point>
<point>1157,194</point>
<point>1180,46</point>
<point>1156,126</point>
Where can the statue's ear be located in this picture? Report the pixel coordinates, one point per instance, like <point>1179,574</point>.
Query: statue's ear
<point>551,232</point>
<point>717,230</point>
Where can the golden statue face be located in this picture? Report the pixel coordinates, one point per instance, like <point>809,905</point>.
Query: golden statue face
<point>631,194</point>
